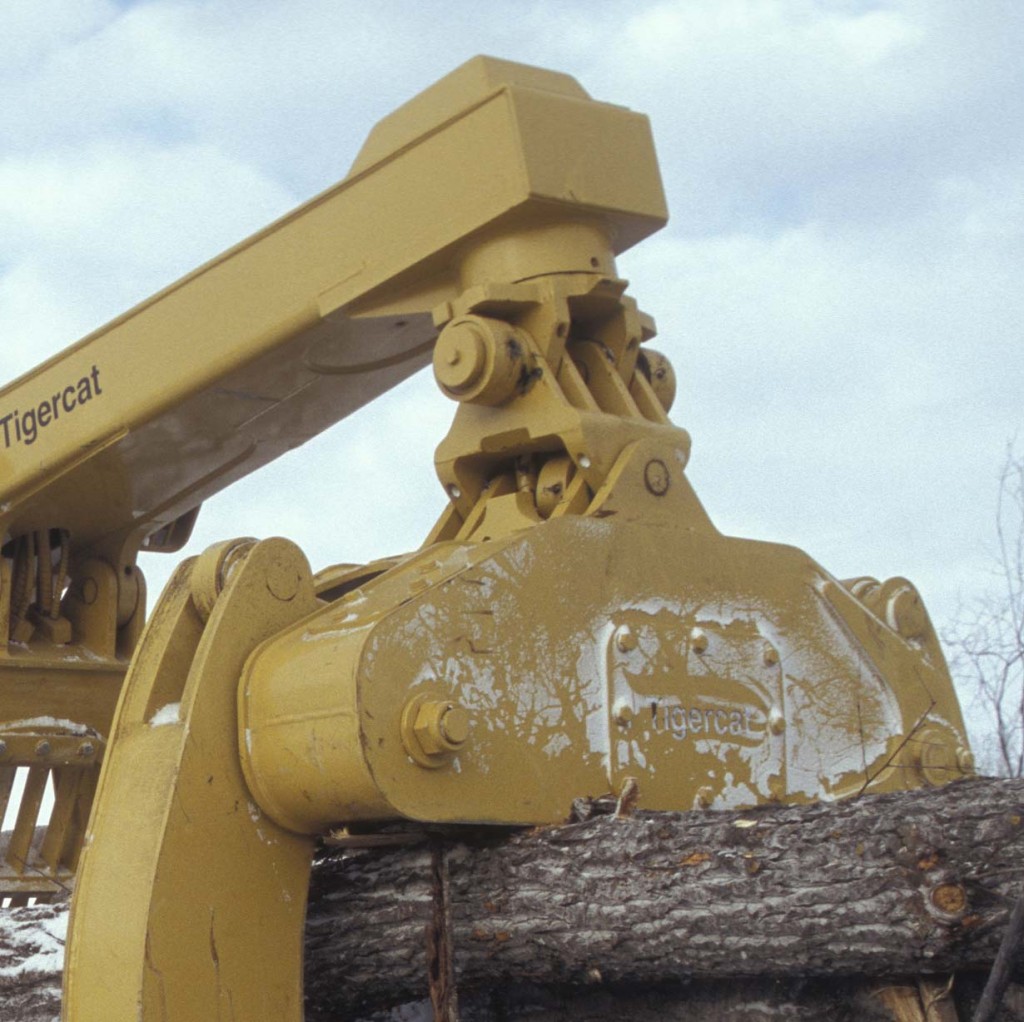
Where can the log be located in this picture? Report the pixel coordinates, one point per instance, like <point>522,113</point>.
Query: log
<point>31,959</point>
<point>804,912</point>
<point>877,888</point>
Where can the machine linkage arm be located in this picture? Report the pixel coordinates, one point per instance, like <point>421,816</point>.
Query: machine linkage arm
<point>189,902</point>
<point>552,385</point>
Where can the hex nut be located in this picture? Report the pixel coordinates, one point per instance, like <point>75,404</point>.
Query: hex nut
<point>433,730</point>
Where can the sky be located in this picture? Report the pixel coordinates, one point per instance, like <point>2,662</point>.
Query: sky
<point>839,287</point>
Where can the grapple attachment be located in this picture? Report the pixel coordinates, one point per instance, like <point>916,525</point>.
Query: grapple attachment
<point>573,624</point>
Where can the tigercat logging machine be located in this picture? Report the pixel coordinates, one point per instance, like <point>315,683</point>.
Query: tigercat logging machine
<point>572,624</point>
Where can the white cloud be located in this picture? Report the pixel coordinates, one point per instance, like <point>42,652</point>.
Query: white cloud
<point>34,29</point>
<point>131,190</point>
<point>88,234</point>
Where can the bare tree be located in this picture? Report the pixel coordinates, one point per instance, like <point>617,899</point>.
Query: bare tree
<point>986,641</point>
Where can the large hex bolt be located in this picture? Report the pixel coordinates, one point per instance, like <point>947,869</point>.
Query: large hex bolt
<point>434,730</point>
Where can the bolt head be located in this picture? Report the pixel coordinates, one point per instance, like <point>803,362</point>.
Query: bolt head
<point>625,639</point>
<point>440,728</point>
<point>455,726</point>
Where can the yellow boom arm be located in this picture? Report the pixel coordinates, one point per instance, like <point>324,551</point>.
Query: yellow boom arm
<point>308,320</point>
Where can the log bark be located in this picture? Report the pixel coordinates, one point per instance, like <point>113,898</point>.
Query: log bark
<point>31,958</point>
<point>813,912</point>
<point>830,895</point>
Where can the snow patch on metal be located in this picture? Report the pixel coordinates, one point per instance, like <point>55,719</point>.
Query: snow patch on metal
<point>168,714</point>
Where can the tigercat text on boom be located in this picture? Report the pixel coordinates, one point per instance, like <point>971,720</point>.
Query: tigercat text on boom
<point>22,427</point>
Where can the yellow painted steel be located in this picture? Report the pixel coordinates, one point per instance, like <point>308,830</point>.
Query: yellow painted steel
<point>573,624</point>
<point>113,444</point>
<point>190,902</point>
<point>324,310</point>
<point>631,642</point>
